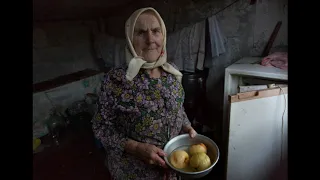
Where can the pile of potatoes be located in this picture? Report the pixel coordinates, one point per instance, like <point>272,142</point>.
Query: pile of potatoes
<point>196,160</point>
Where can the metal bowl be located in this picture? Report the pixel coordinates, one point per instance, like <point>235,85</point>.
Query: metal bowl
<point>183,142</point>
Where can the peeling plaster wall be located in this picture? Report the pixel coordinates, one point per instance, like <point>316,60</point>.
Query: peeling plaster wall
<point>66,46</point>
<point>247,29</point>
<point>61,48</point>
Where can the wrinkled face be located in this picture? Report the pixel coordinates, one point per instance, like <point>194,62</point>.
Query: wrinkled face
<point>147,37</point>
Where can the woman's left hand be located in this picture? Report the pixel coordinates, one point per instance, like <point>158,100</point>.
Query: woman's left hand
<point>192,133</point>
<point>189,129</point>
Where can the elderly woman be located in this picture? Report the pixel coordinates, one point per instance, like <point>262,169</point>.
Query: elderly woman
<point>140,107</point>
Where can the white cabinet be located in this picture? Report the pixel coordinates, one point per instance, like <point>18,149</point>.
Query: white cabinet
<point>255,122</point>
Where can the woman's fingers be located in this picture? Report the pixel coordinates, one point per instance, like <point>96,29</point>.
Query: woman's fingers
<point>189,129</point>
<point>155,156</point>
<point>155,161</point>
<point>152,155</point>
<point>151,161</point>
<point>192,133</point>
<point>160,152</point>
<point>158,160</point>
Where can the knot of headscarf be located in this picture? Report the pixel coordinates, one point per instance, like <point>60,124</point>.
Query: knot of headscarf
<point>134,62</point>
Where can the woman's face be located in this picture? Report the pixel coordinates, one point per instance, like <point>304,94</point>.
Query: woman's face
<point>147,37</point>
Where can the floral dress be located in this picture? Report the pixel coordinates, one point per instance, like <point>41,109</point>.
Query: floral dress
<point>148,110</point>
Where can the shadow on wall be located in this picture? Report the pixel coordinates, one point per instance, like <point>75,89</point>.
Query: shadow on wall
<point>280,172</point>
<point>61,48</point>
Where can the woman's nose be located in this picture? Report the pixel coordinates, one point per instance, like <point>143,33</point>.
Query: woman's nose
<point>149,38</point>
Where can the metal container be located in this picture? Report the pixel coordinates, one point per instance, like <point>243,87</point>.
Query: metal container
<point>194,85</point>
<point>55,123</point>
<point>183,142</point>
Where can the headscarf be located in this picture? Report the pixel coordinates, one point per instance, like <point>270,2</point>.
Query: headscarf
<point>136,62</point>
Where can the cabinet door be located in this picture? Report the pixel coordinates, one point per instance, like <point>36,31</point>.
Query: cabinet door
<point>257,142</point>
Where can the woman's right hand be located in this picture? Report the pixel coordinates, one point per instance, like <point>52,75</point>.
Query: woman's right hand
<point>151,154</point>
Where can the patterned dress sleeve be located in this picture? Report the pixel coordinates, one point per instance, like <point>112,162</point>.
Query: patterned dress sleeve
<point>185,119</point>
<point>105,125</point>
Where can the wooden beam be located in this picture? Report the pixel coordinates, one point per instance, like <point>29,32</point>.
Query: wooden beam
<point>64,79</point>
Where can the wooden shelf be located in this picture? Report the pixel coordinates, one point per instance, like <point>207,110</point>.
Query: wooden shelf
<point>65,79</point>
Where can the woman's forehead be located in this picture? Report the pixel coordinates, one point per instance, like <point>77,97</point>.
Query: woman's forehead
<point>147,20</point>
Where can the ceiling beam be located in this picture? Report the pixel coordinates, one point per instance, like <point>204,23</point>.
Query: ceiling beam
<point>54,11</point>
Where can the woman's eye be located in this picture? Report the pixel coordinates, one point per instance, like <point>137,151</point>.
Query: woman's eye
<point>140,33</point>
<point>156,31</point>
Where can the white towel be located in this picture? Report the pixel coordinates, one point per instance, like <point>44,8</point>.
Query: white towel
<point>217,40</point>
<point>174,49</point>
<point>201,29</point>
<point>186,47</point>
<point>110,49</point>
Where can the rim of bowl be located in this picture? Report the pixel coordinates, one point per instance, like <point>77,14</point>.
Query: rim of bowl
<point>198,172</point>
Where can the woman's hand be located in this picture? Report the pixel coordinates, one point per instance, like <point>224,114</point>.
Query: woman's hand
<point>189,129</point>
<point>150,154</point>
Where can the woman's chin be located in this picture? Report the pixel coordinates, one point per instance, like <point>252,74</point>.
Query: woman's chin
<point>151,60</point>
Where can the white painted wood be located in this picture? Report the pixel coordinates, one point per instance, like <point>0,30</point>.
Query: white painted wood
<point>243,89</point>
<point>247,67</point>
<point>257,70</point>
<point>257,137</point>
